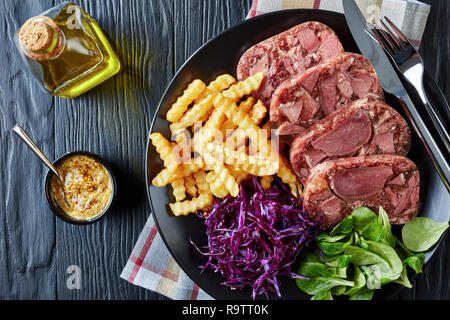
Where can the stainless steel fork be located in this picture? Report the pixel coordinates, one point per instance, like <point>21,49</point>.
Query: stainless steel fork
<point>409,62</point>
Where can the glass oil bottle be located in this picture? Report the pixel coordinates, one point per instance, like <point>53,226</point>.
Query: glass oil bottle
<point>66,51</point>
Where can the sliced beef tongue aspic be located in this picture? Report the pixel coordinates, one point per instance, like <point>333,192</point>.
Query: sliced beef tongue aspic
<point>336,187</point>
<point>287,54</point>
<point>319,91</point>
<point>365,127</point>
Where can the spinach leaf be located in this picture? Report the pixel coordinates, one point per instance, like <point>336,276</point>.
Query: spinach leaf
<point>314,269</point>
<point>325,237</point>
<point>359,280</point>
<point>421,233</point>
<point>343,261</point>
<point>415,262</point>
<point>394,266</point>
<point>403,280</point>
<point>341,273</point>
<point>322,278</point>
<point>383,219</point>
<point>363,243</point>
<point>402,250</point>
<point>315,285</point>
<point>362,217</point>
<point>380,257</point>
<point>344,227</point>
<point>373,231</point>
<point>338,290</point>
<point>361,257</point>
<point>363,294</point>
<point>324,295</point>
<point>333,248</point>
<point>388,254</point>
<point>373,276</point>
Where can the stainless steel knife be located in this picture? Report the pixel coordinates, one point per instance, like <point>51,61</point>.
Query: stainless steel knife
<point>391,83</point>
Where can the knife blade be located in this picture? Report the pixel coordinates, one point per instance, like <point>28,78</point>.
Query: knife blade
<point>391,83</point>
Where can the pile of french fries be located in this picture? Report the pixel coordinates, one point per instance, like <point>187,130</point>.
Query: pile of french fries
<point>218,140</point>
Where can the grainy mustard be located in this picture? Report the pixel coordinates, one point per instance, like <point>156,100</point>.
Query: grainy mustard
<point>87,184</point>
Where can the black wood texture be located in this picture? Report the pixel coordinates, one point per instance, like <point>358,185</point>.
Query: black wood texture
<point>153,39</point>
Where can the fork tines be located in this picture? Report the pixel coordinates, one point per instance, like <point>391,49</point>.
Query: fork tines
<point>390,37</point>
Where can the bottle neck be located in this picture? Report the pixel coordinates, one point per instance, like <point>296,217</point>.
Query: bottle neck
<point>41,38</point>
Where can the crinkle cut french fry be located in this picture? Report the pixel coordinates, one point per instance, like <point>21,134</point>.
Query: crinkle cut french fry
<point>192,92</point>
<point>192,115</point>
<point>206,133</point>
<point>183,208</point>
<point>238,173</point>
<point>242,88</point>
<point>245,106</point>
<point>258,112</point>
<point>266,182</point>
<point>288,176</point>
<point>221,83</point>
<point>218,189</point>
<point>255,165</point>
<point>296,188</point>
<point>285,171</point>
<point>237,116</point>
<point>165,177</point>
<point>179,190</point>
<point>165,151</point>
<point>200,182</point>
<point>221,171</point>
<point>191,188</point>
<point>203,200</point>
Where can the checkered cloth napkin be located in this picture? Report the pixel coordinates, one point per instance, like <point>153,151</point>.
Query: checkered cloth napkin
<point>150,264</point>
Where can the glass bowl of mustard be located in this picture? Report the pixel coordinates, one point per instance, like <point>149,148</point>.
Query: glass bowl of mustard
<point>89,187</point>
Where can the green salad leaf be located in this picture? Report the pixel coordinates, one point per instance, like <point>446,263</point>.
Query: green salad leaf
<point>421,233</point>
<point>323,295</point>
<point>359,281</point>
<point>333,248</point>
<point>415,262</point>
<point>373,231</point>
<point>403,280</point>
<point>327,238</point>
<point>362,217</point>
<point>361,255</point>
<point>363,294</point>
<point>322,278</point>
<point>344,227</point>
<point>384,220</point>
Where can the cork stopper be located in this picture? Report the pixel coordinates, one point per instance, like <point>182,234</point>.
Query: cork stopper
<point>36,36</point>
<point>41,38</point>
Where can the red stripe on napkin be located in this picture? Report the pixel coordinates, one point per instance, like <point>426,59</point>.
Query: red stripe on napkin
<point>142,254</point>
<point>316,4</point>
<point>155,269</point>
<point>253,8</point>
<point>194,292</point>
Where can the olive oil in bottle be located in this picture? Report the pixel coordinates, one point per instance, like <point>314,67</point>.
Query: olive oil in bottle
<point>66,51</point>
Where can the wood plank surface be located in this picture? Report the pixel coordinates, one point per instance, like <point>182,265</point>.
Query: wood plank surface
<point>153,39</point>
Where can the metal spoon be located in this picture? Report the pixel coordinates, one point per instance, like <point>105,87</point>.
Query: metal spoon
<point>22,135</point>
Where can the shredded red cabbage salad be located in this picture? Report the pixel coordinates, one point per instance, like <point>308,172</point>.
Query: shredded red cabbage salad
<point>254,239</point>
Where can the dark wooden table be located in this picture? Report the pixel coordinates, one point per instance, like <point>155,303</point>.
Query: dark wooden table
<point>153,38</point>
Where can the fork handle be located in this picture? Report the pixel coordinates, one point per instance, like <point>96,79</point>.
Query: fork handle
<point>439,157</point>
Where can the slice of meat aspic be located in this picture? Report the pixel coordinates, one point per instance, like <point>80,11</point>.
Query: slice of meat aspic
<point>365,127</point>
<point>287,54</point>
<point>305,99</point>
<point>336,187</point>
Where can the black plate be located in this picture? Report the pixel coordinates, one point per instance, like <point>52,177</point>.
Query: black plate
<point>221,55</point>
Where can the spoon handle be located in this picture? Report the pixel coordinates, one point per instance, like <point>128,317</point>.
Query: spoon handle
<point>25,138</point>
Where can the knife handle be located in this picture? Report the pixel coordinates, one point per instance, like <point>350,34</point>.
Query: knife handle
<point>439,157</point>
